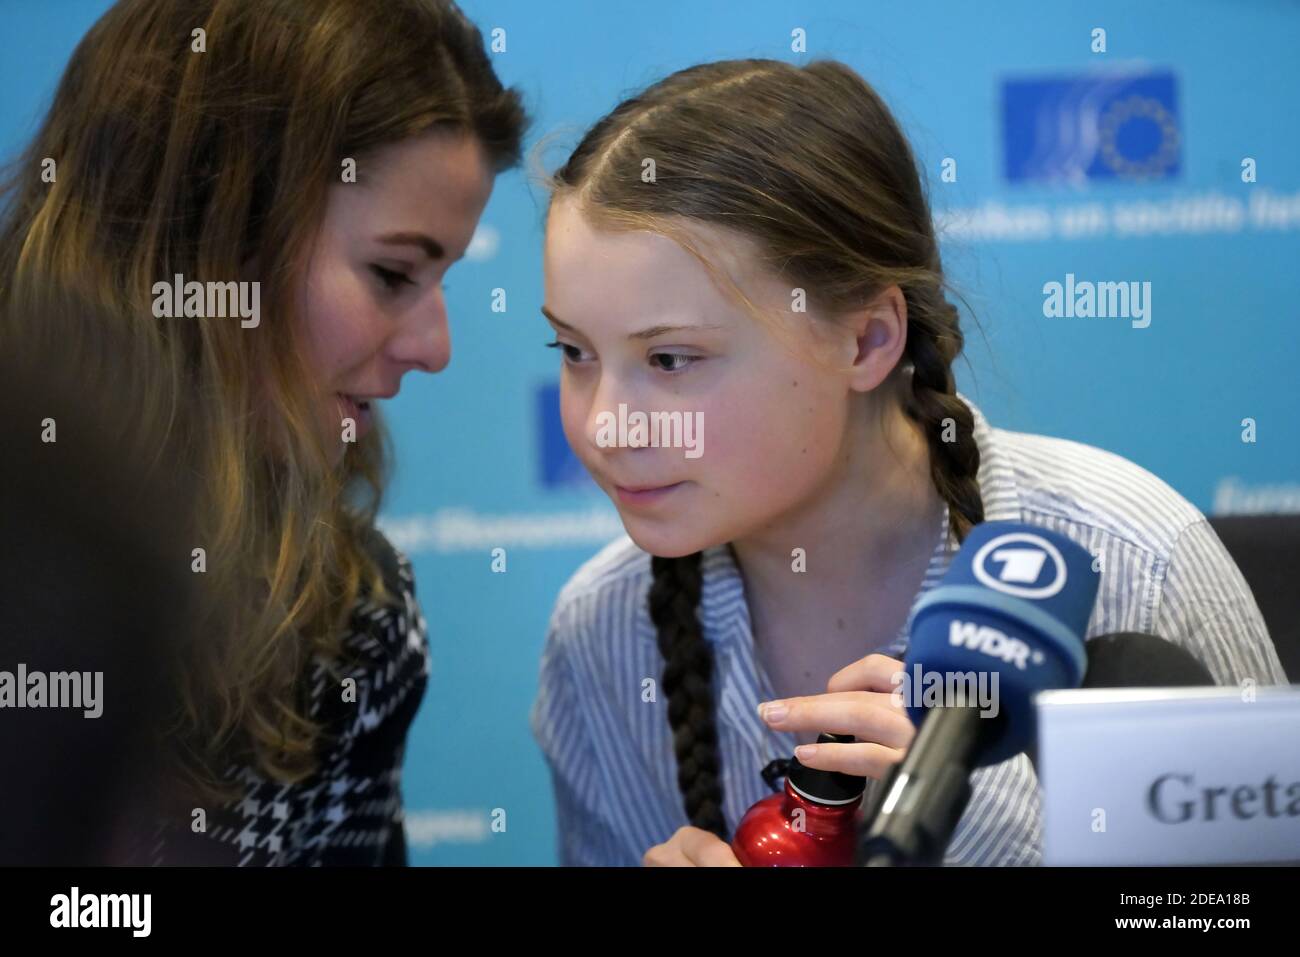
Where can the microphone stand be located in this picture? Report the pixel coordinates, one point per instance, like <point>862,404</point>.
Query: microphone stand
<point>917,805</point>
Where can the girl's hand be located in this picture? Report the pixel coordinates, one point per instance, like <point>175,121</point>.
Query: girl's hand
<point>691,847</point>
<point>860,700</point>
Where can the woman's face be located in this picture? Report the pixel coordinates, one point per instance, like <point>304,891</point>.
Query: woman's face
<point>372,299</point>
<point>641,323</point>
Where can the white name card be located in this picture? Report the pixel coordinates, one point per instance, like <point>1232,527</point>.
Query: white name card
<point>1160,776</point>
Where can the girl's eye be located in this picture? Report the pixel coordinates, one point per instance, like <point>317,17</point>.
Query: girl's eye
<point>571,353</point>
<point>391,279</point>
<point>671,361</point>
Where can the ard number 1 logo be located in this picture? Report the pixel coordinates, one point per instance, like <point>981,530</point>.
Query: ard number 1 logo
<point>1020,564</point>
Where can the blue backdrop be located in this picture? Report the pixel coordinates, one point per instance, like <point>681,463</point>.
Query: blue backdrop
<point>1053,151</point>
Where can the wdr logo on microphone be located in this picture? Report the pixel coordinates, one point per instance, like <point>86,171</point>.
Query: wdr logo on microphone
<point>1020,564</point>
<point>990,641</point>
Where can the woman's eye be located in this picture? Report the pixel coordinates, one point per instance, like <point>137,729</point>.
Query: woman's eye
<point>571,353</point>
<point>391,279</point>
<point>671,361</point>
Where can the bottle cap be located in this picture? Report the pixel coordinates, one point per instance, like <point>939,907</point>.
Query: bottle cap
<point>826,787</point>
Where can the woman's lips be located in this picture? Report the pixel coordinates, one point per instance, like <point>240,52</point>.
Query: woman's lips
<point>357,413</point>
<point>645,495</point>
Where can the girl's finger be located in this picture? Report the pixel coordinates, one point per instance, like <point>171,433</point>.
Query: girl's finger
<point>704,849</point>
<point>664,855</point>
<point>862,759</point>
<point>868,716</point>
<point>872,673</point>
<point>667,854</point>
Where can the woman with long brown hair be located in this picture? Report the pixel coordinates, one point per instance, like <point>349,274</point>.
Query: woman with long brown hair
<point>257,201</point>
<point>747,245</point>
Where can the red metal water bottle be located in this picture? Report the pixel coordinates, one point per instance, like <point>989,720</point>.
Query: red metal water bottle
<point>812,824</point>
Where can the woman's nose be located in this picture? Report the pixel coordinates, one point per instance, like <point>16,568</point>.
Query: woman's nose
<point>424,339</point>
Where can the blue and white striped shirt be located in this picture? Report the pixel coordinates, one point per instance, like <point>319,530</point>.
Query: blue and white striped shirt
<point>1163,571</point>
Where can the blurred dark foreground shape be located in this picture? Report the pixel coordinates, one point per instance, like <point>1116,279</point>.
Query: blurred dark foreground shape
<point>94,577</point>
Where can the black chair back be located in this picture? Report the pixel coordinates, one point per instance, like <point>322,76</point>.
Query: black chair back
<point>1267,550</point>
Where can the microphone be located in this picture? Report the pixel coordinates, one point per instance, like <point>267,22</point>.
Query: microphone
<point>1009,613</point>
<point>1128,659</point>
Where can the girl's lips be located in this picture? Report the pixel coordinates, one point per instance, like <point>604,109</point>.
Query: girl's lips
<point>645,496</point>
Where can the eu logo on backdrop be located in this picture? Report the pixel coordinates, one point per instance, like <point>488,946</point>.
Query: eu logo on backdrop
<point>558,467</point>
<point>1078,129</point>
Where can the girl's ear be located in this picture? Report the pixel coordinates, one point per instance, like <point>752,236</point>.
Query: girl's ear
<point>880,332</point>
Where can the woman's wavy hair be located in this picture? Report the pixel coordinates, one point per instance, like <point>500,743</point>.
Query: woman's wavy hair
<point>210,155</point>
<point>807,165</point>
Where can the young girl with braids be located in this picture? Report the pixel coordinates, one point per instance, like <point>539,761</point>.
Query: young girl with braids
<point>839,472</point>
